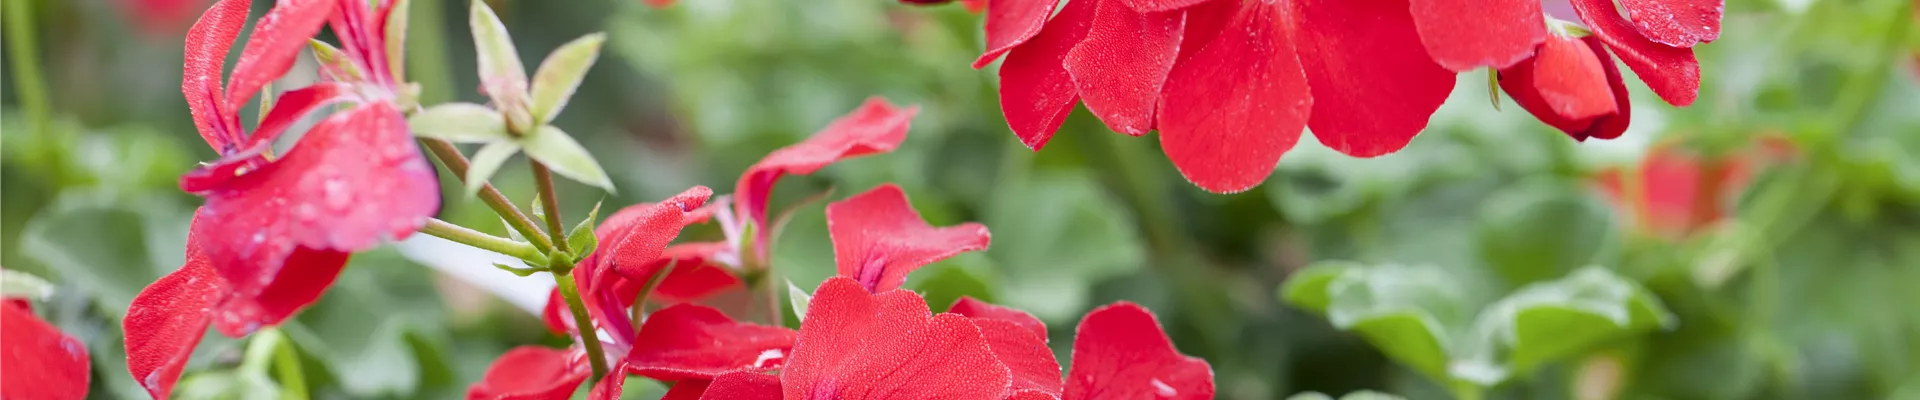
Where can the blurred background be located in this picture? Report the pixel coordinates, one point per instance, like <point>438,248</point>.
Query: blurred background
<point>1775,220</point>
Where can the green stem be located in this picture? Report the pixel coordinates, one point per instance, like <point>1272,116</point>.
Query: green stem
<point>28,82</point>
<point>293,381</point>
<point>462,235</point>
<point>457,163</point>
<point>427,52</point>
<point>588,337</point>
<point>550,201</point>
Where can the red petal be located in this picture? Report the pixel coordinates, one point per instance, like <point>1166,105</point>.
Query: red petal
<point>695,275</point>
<point>353,180</point>
<point>556,314</point>
<point>692,389</point>
<point>743,386</point>
<point>305,277</point>
<point>877,126</point>
<point>41,362</point>
<point>1373,85</point>
<point>1121,66</point>
<point>1010,23</point>
<point>975,6</point>
<point>976,309</point>
<point>1463,35</point>
<point>695,342</point>
<point>1036,93</point>
<point>1671,72</point>
<point>1520,83</point>
<point>657,225</point>
<point>1238,104</point>
<point>1163,5</point>
<point>207,45</point>
<point>610,385</point>
<point>1677,23</point>
<point>291,106</point>
<point>878,238</point>
<point>1205,21</point>
<point>1033,395</point>
<point>1120,352</point>
<point>532,373</point>
<point>167,319</point>
<point>276,39</point>
<point>1571,80</point>
<point>658,3</point>
<point>1025,355</point>
<point>854,345</point>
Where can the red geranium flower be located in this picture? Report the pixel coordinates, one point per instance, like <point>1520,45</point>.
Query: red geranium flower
<point>878,238</point>
<point>857,345</point>
<point>274,232</point>
<point>1364,75</point>
<point>41,362</point>
<point>1678,192</point>
<point>877,126</point>
<point>1573,85</point>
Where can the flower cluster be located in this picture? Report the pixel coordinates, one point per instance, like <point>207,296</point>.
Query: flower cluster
<point>276,230</point>
<point>857,326</point>
<point>1230,84</point>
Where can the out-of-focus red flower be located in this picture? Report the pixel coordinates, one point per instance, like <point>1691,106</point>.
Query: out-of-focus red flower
<point>1231,84</point>
<point>854,344</point>
<point>41,362</point>
<point>161,17</point>
<point>877,126</point>
<point>532,373</point>
<point>878,238</point>
<point>1680,192</point>
<point>275,231</point>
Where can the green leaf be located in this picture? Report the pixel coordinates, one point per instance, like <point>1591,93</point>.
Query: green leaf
<point>460,123</point>
<point>334,63</point>
<point>1552,321</point>
<point>397,39</point>
<point>527,271</point>
<point>1405,311</point>
<point>558,76</point>
<point>566,157</point>
<point>582,238</point>
<point>949,280</point>
<point>502,75</point>
<point>229,384</point>
<point>1540,231</point>
<point>109,248</point>
<point>21,285</point>
<point>487,161</point>
<point>1056,235</point>
<point>1307,288</point>
<point>798,299</point>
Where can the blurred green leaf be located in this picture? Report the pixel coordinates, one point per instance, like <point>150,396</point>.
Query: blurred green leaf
<point>1553,321</point>
<point>21,285</point>
<point>561,73</point>
<point>1542,230</point>
<point>1403,310</point>
<point>798,299</point>
<point>486,162</point>
<point>566,157</point>
<point>1056,234</point>
<point>235,384</point>
<point>945,282</point>
<point>460,123</point>
<point>106,246</point>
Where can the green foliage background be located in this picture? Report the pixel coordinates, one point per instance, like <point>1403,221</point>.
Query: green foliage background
<point>1482,247</point>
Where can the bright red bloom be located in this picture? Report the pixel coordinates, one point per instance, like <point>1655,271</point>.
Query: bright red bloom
<point>1573,86</point>
<point>854,344</point>
<point>1231,84</point>
<point>693,342</point>
<point>877,126</point>
<point>532,373</point>
<point>274,232</point>
<point>161,17</point>
<point>631,245</point>
<point>1680,192</point>
<point>41,362</point>
<point>878,238</point>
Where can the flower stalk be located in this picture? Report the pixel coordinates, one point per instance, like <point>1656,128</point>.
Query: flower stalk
<point>463,235</point>
<point>519,221</point>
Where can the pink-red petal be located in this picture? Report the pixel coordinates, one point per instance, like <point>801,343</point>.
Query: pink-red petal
<point>1120,352</point>
<point>695,273</point>
<point>1026,356</point>
<point>276,39</point>
<point>1677,23</point>
<point>1520,82</point>
<point>1123,63</point>
<point>532,373</point>
<point>1238,104</point>
<point>856,345</point>
<point>1464,35</point>
<point>1672,72</point>
<point>695,342</point>
<point>41,362</point>
<point>742,386</point>
<point>352,181</point>
<point>306,276</point>
<point>610,385</point>
<point>1571,79</point>
<point>878,238</point>
<point>658,225</point>
<point>167,319</point>
<point>1036,92</point>
<point>206,52</point>
<point>976,309</point>
<point>1010,23</point>
<point>1374,86</point>
<point>291,106</point>
<point>877,126</point>
<point>1163,5</point>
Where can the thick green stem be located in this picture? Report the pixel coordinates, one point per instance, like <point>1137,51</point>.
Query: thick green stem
<point>588,337</point>
<point>483,241</point>
<point>28,83</point>
<point>457,163</point>
<point>550,201</point>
